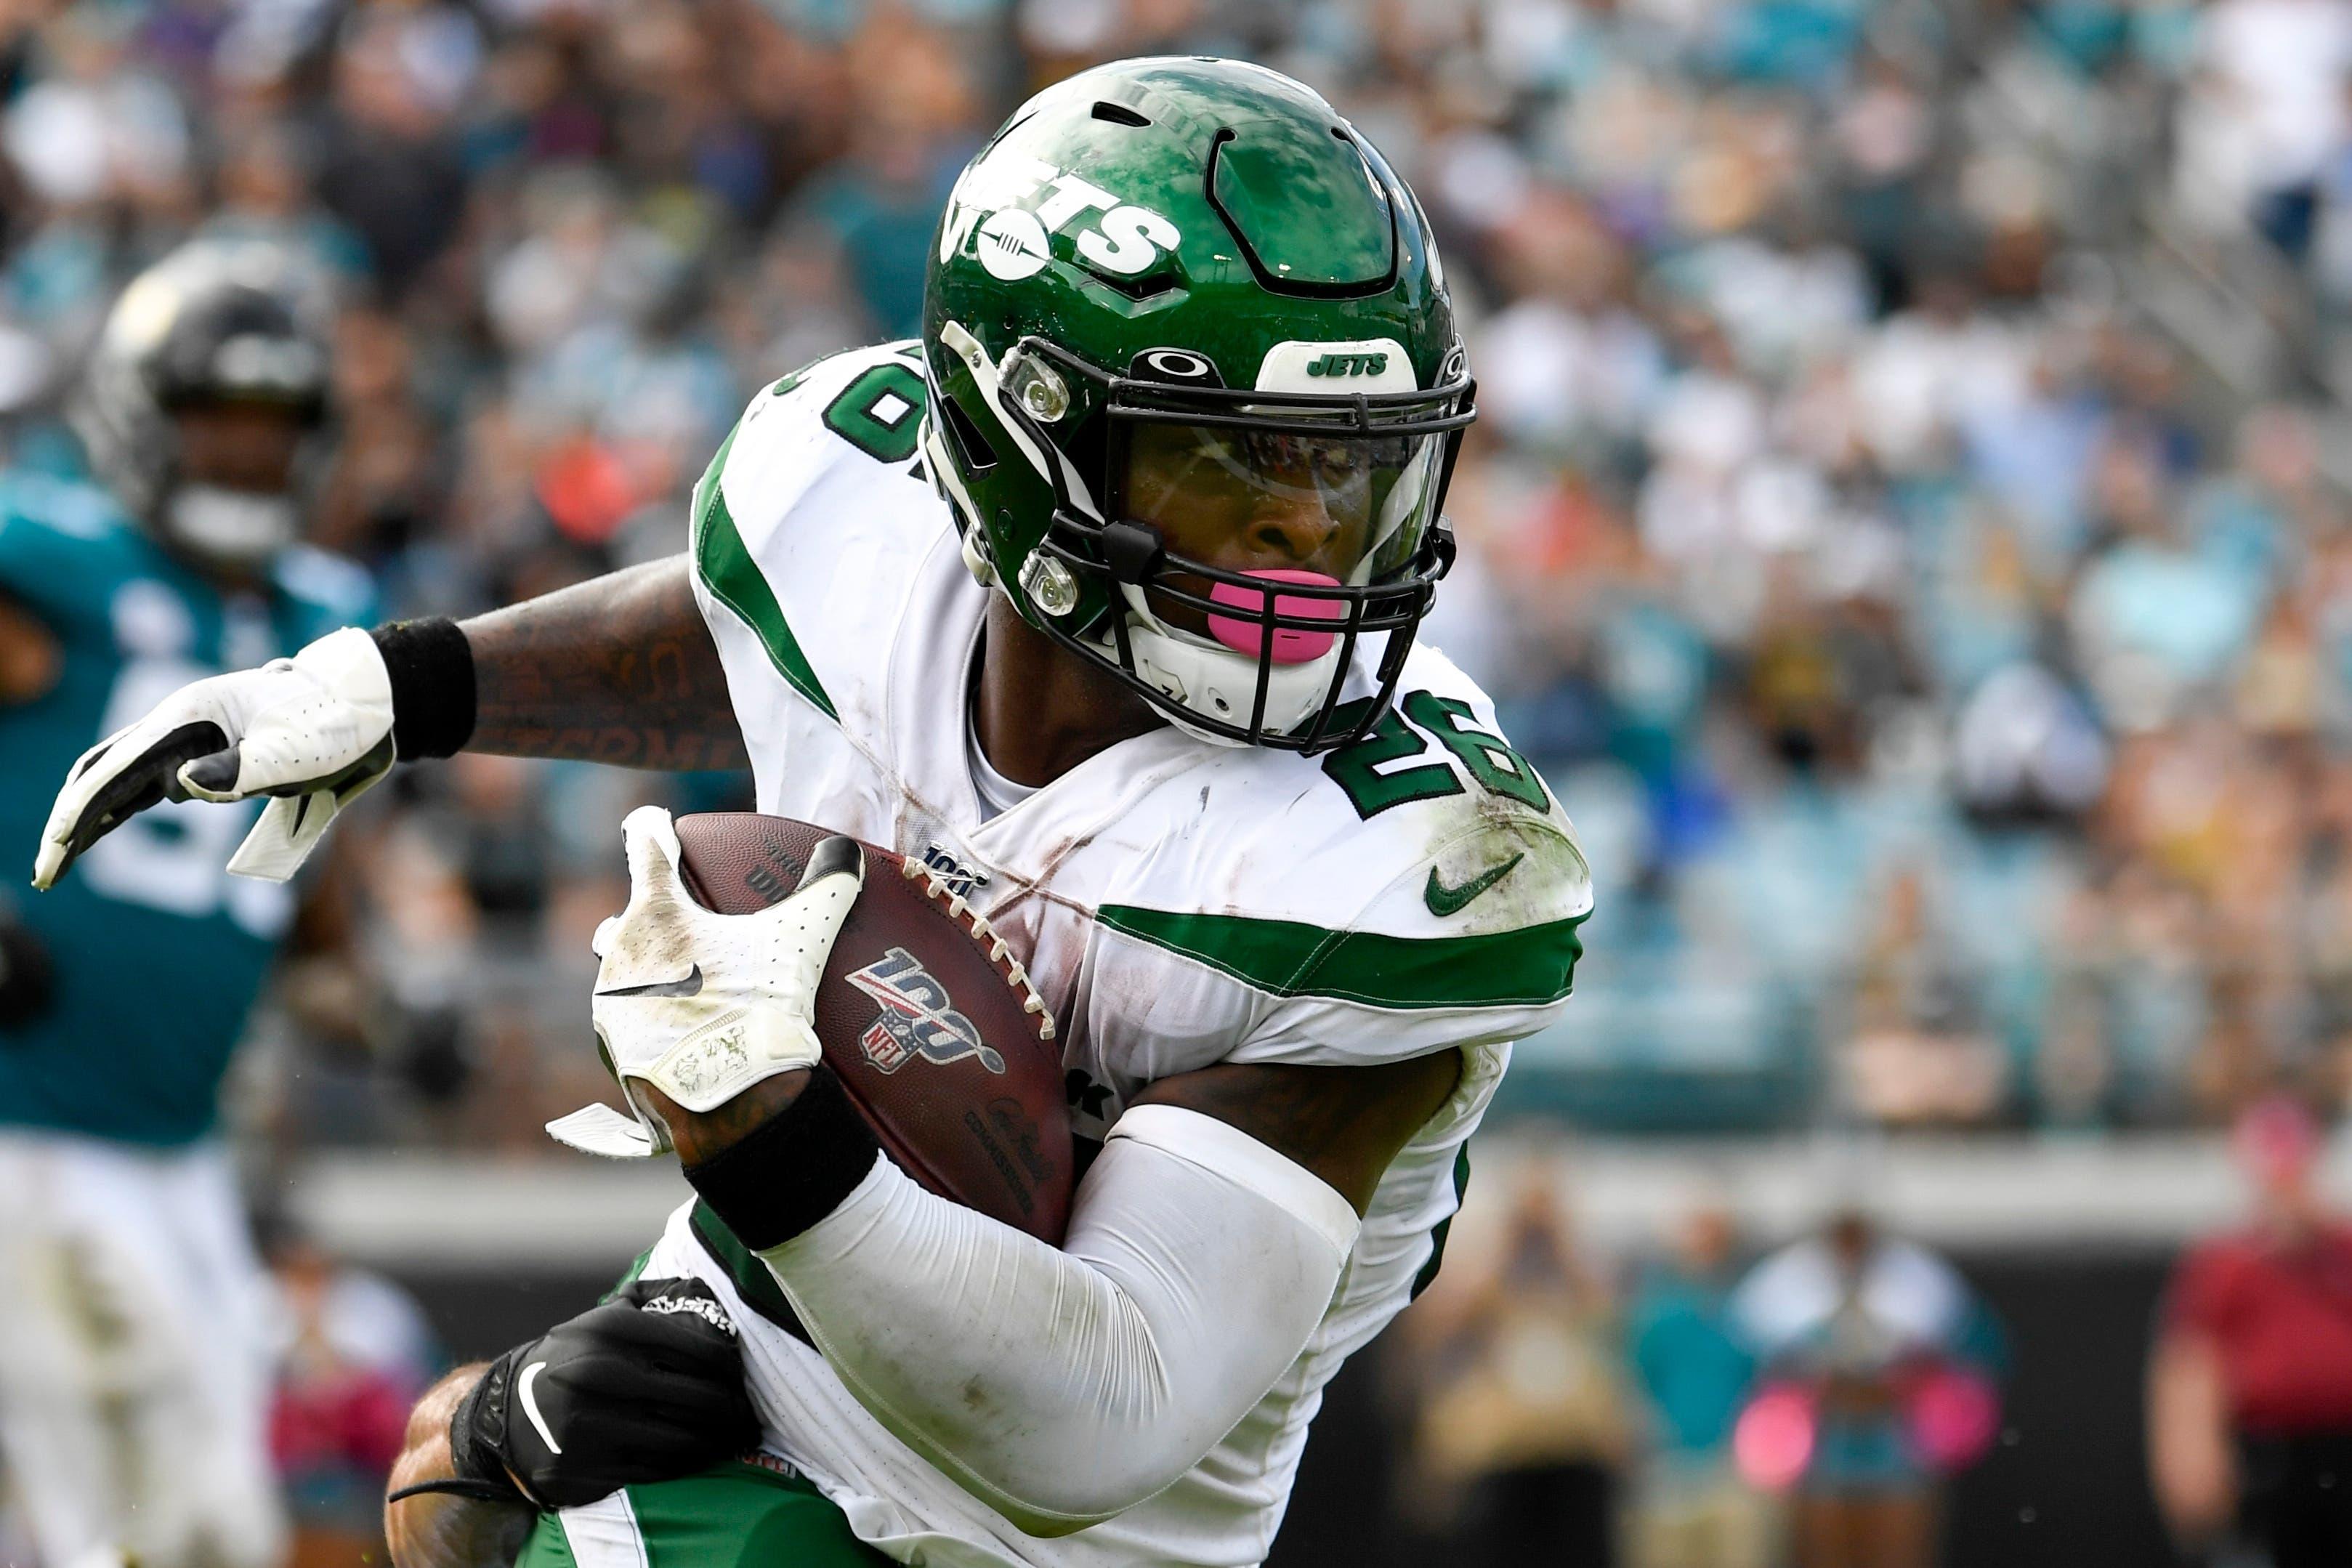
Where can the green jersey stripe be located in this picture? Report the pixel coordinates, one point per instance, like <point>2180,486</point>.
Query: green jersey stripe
<point>757,1286</point>
<point>1532,966</point>
<point>733,578</point>
<point>1444,1228</point>
<point>734,1515</point>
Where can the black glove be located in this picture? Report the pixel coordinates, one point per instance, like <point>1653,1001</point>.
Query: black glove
<point>646,1387</point>
<point>27,981</point>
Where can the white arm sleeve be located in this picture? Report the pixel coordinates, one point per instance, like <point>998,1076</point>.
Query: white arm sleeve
<point>1063,1387</point>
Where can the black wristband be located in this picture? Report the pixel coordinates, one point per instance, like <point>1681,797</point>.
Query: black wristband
<point>474,1425</point>
<point>432,668</point>
<point>793,1169</point>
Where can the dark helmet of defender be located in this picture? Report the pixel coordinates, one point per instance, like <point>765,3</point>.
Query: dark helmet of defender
<point>206,405</point>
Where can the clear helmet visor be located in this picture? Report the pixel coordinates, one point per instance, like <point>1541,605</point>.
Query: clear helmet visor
<point>1348,508</point>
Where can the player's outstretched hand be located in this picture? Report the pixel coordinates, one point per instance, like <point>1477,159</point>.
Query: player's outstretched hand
<point>646,1387</point>
<point>703,1005</point>
<point>314,731</point>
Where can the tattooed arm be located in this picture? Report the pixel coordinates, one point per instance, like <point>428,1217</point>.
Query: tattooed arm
<point>619,669</point>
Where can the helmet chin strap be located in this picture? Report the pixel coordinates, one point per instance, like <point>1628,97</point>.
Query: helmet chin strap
<point>1206,677</point>
<point>233,527</point>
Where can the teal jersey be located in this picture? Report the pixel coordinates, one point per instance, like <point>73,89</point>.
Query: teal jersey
<point>159,953</point>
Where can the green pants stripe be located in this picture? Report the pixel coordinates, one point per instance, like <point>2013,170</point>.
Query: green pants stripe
<point>736,1516</point>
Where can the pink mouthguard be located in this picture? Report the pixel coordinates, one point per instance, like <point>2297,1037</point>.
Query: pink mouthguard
<point>1290,647</point>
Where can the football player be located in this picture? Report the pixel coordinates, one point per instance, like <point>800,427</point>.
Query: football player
<point>134,1378</point>
<point>1098,602</point>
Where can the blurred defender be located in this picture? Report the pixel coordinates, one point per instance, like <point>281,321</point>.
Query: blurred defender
<point>132,1381</point>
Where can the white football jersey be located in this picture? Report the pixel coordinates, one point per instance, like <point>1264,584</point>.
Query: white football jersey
<point>1177,904</point>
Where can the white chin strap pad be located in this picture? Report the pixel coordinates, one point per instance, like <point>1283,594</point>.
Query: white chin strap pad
<point>1213,680</point>
<point>241,527</point>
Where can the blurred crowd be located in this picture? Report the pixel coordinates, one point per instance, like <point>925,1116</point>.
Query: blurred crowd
<point>1908,525</point>
<point>1943,647</point>
<point>1713,1392</point>
<point>1705,1405</point>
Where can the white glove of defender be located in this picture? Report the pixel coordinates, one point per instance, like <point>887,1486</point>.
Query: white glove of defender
<point>703,1005</point>
<point>315,730</point>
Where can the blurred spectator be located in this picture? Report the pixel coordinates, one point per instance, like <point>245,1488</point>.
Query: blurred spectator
<point>388,163</point>
<point>1876,1362</point>
<point>1529,1412</point>
<point>1693,1509</point>
<point>1919,1053</point>
<point>2266,105</point>
<point>2250,1384</point>
<point>355,1354</point>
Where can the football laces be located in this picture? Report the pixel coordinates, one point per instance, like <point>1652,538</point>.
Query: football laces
<point>1000,951</point>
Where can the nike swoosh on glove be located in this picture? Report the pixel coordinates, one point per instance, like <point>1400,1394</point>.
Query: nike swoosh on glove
<point>646,1387</point>
<point>313,730</point>
<point>700,1004</point>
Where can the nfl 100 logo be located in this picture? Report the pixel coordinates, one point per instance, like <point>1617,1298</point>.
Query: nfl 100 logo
<point>917,1017</point>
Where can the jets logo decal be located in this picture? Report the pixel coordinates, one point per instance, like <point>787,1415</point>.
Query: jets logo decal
<point>918,1018</point>
<point>1012,245</point>
<point>1350,364</point>
<point>1008,206</point>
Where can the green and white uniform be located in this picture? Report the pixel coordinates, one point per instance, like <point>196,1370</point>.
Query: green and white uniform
<point>1178,903</point>
<point>741,1513</point>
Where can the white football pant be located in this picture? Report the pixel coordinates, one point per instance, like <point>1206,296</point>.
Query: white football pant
<point>134,1370</point>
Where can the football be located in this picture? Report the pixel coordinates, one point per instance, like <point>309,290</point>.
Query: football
<point>930,1024</point>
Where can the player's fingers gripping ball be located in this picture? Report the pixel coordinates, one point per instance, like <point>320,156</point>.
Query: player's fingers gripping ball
<point>929,1026</point>
<point>703,1005</point>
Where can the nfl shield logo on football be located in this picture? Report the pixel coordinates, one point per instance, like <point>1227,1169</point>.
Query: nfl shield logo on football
<point>919,1018</point>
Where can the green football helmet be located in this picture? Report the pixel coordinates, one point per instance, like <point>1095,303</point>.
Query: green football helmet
<point>1196,393</point>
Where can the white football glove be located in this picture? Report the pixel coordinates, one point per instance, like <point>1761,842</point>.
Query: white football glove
<point>314,731</point>
<point>703,1005</point>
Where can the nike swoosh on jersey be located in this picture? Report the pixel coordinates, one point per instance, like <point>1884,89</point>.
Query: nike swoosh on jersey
<point>531,1406</point>
<point>1445,901</point>
<point>689,986</point>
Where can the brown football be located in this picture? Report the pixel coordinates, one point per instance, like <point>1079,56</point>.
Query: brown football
<point>931,1026</point>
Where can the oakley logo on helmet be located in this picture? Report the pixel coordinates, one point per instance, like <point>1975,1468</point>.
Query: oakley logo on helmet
<point>1175,364</point>
<point>1349,364</point>
<point>1125,239</point>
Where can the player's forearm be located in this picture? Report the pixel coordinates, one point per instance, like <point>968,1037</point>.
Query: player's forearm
<point>1062,1388</point>
<point>433,1530</point>
<point>619,669</point>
